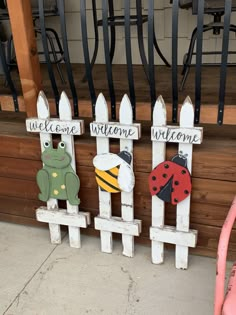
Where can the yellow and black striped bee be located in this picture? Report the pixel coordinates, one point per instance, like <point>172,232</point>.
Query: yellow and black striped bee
<point>113,172</point>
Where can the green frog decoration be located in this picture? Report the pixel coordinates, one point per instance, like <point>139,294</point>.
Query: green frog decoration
<point>57,179</point>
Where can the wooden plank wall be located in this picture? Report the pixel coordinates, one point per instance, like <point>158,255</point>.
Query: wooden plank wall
<point>214,184</point>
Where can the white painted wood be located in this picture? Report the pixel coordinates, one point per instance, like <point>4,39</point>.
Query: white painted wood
<point>115,130</point>
<point>158,156</point>
<point>67,128</point>
<point>183,208</point>
<point>44,113</point>
<point>171,235</point>
<point>61,217</point>
<point>127,198</point>
<point>177,134</point>
<point>103,129</point>
<point>101,113</point>
<point>117,225</point>
<point>55,126</point>
<point>65,113</point>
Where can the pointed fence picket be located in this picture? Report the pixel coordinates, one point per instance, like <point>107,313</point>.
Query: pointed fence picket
<point>160,233</point>
<point>105,222</point>
<point>67,128</point>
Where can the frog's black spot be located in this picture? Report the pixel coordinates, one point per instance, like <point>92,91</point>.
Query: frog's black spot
<point>154,178</point>
<point>186,192</point>
<point>155,188</point>
<point>183,172</point>
<point>176,183</point>
<point>166,166</point>
<point>164,175</point>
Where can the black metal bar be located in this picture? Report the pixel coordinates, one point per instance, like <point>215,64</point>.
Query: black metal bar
<point>129,56</point>
<point>151,53</point>
<point>88,66</point>
<point>61,9</point>
<point>200,18</point>
<point>224,59</point>
<point>96,37</point>
<point>112,29</point>
<point>140,37</point>
<point>175,95</point>
<point>7,74</point>
<point>107,58</point>
<point>46,53</point>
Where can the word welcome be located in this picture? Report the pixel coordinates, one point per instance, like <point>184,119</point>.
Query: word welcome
<point>177,134</point>
<point>114,130</point>
<point>55,126</point>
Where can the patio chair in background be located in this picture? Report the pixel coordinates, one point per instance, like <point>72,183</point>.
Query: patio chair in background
<point>211,7</point>
<point>225,304</point>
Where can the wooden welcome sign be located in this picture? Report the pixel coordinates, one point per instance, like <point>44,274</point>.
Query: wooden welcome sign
<point>170,181</point>
<point>57,180</point>
<point>114,174</point>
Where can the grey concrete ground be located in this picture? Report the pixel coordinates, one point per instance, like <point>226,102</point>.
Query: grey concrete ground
<point>37,278</point>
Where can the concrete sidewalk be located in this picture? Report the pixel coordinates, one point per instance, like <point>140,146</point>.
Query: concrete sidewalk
<point>37,278</point>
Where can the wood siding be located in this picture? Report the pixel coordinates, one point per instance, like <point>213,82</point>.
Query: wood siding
<point>214,184</point>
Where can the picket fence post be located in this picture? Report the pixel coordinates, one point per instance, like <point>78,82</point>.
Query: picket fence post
<point>67,128</point>
<point>126,131</point>
<point>185,135</point>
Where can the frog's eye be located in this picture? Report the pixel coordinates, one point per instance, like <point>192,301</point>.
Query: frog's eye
<point>46,144</point>
<point>62,145</point>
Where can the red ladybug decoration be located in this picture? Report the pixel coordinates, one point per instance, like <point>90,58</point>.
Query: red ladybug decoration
<point>171,180</point>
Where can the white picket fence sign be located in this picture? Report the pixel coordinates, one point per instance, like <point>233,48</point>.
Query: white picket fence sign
<point>186,135</point>
<point>126,131</point>
<point>67,128</point>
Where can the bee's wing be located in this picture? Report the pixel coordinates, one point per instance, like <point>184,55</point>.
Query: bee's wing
<point>106,161</point>
<point>126,177</point>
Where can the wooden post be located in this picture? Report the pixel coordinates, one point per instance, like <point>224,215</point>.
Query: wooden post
<point>26,52</point>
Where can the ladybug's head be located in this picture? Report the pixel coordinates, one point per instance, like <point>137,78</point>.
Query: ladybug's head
<point>180,159</point>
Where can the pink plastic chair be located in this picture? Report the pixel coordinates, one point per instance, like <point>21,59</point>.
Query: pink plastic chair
<point>225,304</point>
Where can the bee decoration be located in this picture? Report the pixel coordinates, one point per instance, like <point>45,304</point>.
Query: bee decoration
<point>171,180</point>
<point>113,172</point>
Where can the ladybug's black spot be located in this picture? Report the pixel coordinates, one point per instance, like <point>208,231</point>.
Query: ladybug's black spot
<point>175,200</point>
<point>183,172</point>
<point>154,178</point>
<point>186,192</point>
<point>166,166</point>
<point>154,188</point>
<point>176,183</point>
<point>164,175</point>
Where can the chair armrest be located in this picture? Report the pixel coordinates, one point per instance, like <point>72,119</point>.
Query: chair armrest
<point>221,258</point>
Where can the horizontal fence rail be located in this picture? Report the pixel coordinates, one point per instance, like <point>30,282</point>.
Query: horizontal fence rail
<point>142,17</point>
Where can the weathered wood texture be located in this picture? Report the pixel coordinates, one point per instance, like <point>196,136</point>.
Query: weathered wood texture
<point>214,182</point>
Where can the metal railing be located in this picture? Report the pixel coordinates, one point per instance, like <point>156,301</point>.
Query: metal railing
<point>108,24</point>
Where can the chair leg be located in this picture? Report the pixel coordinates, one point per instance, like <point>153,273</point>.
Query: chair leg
<point>159,51</point>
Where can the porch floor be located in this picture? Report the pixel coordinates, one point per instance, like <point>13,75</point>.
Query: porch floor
<point>40,278</point>
<point>209,87</point>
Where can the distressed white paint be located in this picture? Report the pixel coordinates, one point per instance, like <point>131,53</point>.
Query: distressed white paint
<point>171,235</point>
<point>158,156</point>
<point>102,116</point>
<point>127,198</point>
<point>44,113</point>
<point>180,235</point>
<point>177,134</point>
<point>117,225</point>
<point>51,214</point>
<point>62,217</point>
<point>54,126</point>
<point>183,208</point>
<point>115,130</point>
<point>105,222</point>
